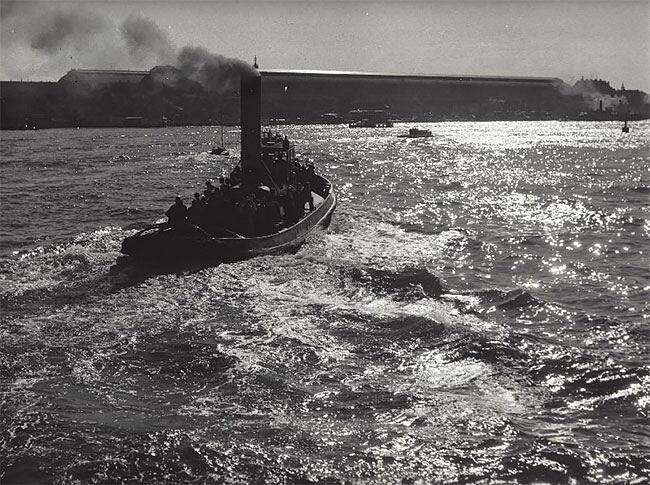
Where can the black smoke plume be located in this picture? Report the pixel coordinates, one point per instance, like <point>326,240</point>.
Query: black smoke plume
<point>214,72</point>
<point>145,41</point>
<point>597,93</point>
<point>70,34</point>
<point>8,8</point>
<point>54,29</point>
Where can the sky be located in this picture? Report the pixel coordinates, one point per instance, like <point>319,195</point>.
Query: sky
<point>565,39</point>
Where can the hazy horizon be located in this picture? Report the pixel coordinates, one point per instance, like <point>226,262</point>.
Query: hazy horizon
<point>44,40</point>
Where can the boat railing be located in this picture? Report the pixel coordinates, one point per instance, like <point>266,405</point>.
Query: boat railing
<point>327,205</point>
<point>188,227</point>
<point>158,225</point>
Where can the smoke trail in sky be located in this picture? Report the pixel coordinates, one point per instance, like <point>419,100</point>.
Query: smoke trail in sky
<point>42,38</point>
<point>10,7</point>
<point>146,42</point>
<point>214,72</point>
<point>597,94</point>
<point>55,29</point>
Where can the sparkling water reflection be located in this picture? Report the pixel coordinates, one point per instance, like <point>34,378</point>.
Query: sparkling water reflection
<point>477,311</point>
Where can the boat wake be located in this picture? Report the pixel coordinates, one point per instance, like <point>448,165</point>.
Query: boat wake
<point>359,335</point>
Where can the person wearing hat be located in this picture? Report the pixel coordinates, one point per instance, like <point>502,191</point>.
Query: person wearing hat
<point>177,213</point>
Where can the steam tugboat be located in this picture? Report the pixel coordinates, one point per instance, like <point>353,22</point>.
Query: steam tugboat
<point>269,204</point>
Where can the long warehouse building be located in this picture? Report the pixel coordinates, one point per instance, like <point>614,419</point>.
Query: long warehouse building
<point>92,97</point>
<point>303,93</point>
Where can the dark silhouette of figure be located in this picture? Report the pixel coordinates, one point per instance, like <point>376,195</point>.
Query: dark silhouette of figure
<point>291,206</point>
<point>177,213</point>
<point>236,175</point>
<point>310,172</point>
<point>209,188</point>
<point>306,195</point>
<point>196,212</point>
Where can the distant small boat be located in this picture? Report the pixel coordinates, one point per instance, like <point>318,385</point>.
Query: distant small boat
<point>221,149</point>
<point>417,133</point>
<point>626,129</point>
<point>362,124</point>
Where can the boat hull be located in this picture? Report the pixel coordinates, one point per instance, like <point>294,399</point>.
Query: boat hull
<point>166,244</point>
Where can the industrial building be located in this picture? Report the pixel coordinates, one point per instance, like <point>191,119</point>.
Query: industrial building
<point>97,78</point>
<point>307,95</point>
<point>90,97</point>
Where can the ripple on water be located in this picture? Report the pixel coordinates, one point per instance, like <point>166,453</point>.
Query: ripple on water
<point>475,312</point>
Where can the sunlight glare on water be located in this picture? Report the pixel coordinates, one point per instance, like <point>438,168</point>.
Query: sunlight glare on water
<point>477,310</point>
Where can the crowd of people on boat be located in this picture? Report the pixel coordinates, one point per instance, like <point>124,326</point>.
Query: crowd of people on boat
<point>269,137</point>
<point>228,208</point>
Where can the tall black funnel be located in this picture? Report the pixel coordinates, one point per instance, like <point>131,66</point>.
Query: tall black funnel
<point>251,134</point>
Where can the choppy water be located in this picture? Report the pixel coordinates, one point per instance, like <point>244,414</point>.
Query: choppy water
<point>477,311</point>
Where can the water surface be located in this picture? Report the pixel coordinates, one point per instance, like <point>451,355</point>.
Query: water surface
<point>477,311</point>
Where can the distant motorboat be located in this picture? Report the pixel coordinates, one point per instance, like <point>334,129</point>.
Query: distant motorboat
<point>417,133</point>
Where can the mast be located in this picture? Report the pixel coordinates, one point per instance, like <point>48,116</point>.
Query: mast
<point>251,133</point>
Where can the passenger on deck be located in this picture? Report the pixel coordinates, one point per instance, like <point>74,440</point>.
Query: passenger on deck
<point>310,172</point>
<point>285,142</point>
<point>196,212</point>
<point>177,213</point>
<point>291,207</point>
<point>272,216</point>
<point>236,176</point>
<point>306,195</point>
<point>226,189</point>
